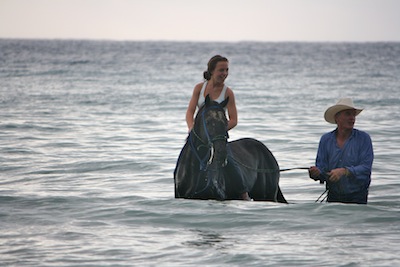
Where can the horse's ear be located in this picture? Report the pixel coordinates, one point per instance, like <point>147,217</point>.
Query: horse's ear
<point>207,101</point>
<point>225,102</point>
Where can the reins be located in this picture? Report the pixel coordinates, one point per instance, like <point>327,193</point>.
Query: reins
<point>283,170</point>
<point>322,195</point>
<point>204,162</point>
<point>209,143</point>
<point>208,158</point>
<point>268,170</point>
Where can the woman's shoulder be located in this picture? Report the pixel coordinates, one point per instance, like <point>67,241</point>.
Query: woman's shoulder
<point>229,92</point>
<point>199,86</point>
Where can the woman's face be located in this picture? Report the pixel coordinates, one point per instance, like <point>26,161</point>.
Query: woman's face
<point>221,71</point>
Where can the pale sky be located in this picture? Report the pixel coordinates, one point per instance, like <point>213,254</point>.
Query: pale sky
<point>203,20</point>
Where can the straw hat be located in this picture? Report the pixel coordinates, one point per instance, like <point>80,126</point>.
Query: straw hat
<point>342,104</point>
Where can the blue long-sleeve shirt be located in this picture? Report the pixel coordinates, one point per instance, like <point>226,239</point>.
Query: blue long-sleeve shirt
<point>356,156</point>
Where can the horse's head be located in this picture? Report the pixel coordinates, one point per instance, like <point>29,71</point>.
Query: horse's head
<point>208,140</point>
<point>210,128</point>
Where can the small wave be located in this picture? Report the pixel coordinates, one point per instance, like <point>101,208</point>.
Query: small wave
<point>79,62</point>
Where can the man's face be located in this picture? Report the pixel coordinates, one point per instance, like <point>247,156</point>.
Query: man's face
<point>345,119</point>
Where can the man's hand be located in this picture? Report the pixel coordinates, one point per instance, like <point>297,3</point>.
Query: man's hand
<point>336,174</point>
<point>314,173</point>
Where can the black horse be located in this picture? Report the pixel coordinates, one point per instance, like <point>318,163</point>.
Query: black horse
<point>210,167</point>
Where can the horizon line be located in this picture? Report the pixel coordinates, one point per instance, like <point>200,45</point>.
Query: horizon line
<point>192,41</point>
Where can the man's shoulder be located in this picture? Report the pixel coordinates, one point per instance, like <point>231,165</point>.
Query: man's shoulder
<point>329,135</point>
<point>361,134</point>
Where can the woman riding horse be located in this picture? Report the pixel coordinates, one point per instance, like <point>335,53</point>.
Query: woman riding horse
<point>211,168</point>
<point>214,86</point>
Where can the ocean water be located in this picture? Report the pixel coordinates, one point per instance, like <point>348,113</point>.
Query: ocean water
<point>90,132</point>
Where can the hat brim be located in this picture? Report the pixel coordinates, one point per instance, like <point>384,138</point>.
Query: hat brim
<point>332,111</point>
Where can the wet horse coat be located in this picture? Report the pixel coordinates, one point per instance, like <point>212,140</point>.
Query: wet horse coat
<point>209,167</point>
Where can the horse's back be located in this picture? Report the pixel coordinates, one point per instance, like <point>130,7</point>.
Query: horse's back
<point>260,168</point>
<point>252,151</point>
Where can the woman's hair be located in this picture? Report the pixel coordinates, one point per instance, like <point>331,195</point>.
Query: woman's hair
<point>212,63</point>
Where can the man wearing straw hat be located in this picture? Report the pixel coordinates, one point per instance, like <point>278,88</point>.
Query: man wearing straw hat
<point>344,157</point>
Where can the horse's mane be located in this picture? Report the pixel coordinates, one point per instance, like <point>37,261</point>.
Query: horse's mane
<point>211,104</point>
